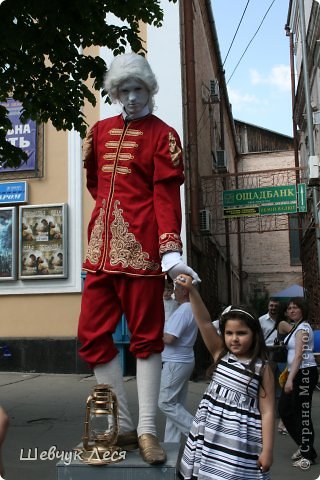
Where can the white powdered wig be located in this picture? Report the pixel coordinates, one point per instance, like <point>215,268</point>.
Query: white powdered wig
<point>130,65</point>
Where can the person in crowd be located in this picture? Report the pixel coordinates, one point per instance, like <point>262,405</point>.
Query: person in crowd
<point>180,333</point>
<point>296,398</point>
<point>279,354</point>
<point>170,304</point>
<point>134,171</point>
<point>4,424</point>
<point>268,322</point>
<point>283,324</point>
<point>233,430</point>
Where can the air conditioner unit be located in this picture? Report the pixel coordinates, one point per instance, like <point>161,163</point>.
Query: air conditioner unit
<point>313,169</point>
<point>221,159</point>
<point>205,221</point>
<point>316,117</point>
<point>214,91</point>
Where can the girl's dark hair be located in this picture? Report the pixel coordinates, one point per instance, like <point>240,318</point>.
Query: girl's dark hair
<point>259,350</point>
<point>302,304</point>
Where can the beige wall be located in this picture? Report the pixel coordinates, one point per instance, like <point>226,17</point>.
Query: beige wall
<point>44,315</point>
<point>39,315</point>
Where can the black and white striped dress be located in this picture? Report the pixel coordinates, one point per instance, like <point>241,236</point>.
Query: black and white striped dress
<point>226,437</point>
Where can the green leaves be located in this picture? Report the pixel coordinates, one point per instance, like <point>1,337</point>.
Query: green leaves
<point>44,64</point>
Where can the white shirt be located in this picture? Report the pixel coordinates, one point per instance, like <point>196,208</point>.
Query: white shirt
<point>267,325</point>
<point>169,307</point>
<point>308,359</point>
<point>182,325</point>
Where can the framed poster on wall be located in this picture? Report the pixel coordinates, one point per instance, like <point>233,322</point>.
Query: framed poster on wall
<point>8,247</point>
<point>43,241</point>
<point>29,137</point>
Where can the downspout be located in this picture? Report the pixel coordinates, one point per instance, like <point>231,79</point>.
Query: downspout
<point>293,89</point>
<point>191,109</point>
<point>294,124</point>
<point>309,123</point>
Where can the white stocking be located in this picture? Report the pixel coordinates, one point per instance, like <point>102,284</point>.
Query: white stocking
<point>148,384</point>
<point>111,374</point>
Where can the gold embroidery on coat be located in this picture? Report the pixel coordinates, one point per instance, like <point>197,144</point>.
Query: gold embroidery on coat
<point>124,144</point>
<point>174,150</point>
<point>87,148</point>
<point>96,240</point>
<point>111,144</point>
<point>116,131</point>
<point>167,236</point>
<point>170,247</point>
<point>130,131</point>
<point>109,156</point>
<point>170,242</point>
<point>124,247</point>
<point>122,156</point>
<point>134,133</point>
<point>110,168</point>
<point>125,156</point>
<point>127,144</point>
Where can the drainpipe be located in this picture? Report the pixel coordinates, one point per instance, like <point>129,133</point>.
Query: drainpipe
<point>191,108</point>
<point>309,122</point>
<point>294,124</point>
<point>293,89</point>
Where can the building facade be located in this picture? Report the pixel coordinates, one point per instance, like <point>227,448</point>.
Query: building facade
<point>270,244</point>
<point>41,311</point>
<point>303,28</point>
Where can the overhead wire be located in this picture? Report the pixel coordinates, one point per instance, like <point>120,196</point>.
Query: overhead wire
<point>234,36</point>
<point>235,68</point>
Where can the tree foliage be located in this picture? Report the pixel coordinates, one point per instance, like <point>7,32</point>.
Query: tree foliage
<point>43,61</point>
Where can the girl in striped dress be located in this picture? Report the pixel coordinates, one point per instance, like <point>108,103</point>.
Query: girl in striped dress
<point>231,437</point>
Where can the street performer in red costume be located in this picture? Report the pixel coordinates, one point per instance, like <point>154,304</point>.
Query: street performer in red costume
<point>134,172</point>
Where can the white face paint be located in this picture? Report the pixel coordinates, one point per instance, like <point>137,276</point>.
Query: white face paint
<point>133,95</point>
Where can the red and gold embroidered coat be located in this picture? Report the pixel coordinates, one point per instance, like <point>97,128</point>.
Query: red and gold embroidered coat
<point>134,172</point>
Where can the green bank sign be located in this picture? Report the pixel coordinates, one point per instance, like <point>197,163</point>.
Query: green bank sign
<point>265,201</point>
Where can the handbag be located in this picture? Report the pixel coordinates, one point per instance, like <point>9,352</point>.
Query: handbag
<point>279,352</point>
<point>283,377</point>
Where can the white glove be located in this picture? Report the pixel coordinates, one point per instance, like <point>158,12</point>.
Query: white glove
<point>181,267</point>
<point>173,264</point>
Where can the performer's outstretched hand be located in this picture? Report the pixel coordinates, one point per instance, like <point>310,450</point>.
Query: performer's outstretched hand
<point>174,265</point>
<point>181,267</point>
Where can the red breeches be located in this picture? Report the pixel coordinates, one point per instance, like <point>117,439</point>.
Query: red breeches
<point>105,298</point>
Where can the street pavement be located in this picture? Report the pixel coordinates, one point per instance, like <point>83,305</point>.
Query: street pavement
<point>47,413</point>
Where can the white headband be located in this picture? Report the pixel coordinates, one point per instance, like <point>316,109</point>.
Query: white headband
<point>229,309</point>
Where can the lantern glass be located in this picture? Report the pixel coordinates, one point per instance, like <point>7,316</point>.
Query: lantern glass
<point>101,425</point>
